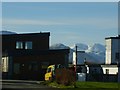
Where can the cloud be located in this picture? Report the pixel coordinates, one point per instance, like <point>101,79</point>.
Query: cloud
<point>101,23</point>
<point>29,22</point>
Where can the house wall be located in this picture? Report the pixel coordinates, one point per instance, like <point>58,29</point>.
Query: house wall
<point>74,58</point>
<point>114,50</point>
<point>119,60</point>
<point>112,70</point>
<point>108,51</point>
<point>98,73</point>
<point>111,50</point>
<point>94,69</point>
<point>80,57</point>
<point>34,66</point>
<point>94,73</point>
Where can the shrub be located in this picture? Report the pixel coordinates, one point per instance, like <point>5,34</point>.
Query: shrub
<point>65,76</point>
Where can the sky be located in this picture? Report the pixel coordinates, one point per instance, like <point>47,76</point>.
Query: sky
<point>68,22</point>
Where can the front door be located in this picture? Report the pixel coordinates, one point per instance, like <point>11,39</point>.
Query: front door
<point>24,70</point>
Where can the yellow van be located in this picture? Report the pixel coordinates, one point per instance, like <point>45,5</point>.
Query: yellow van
<point>50,73</point>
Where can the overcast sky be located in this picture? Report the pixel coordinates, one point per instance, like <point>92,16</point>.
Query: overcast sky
<point>68,23</point>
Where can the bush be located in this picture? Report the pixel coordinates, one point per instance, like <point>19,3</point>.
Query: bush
<point>65,76</point>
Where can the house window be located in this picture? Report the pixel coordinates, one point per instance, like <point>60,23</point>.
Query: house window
<point>107,71</point>
<point>19,45</point>
<point>49,70</point>
<point>28,45</point>
<point>5,64</point>
<point>117,56</point>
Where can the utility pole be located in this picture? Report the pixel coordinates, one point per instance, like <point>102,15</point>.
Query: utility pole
<point>76,53</point>
<point>119,59</point>
<point>76,62</point>
<point>119,42</point>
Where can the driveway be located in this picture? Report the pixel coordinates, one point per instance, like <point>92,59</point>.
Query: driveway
<point>22,85</point>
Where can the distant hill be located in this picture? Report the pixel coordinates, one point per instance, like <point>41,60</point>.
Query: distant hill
<point>7,32</point>
<point>59,46</point>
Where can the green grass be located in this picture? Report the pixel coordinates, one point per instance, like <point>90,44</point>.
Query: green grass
<point>87,85</point>
<point>97,85</point>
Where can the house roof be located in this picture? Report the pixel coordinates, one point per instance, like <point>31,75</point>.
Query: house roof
<point>117,37</point>
<point>24,34</point>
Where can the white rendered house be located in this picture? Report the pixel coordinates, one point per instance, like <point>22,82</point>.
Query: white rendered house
<point>113,54</point>
<point>112,51</point>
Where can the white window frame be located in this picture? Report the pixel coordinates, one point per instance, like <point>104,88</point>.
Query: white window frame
<point>19,45</point>
<point>28,45</point>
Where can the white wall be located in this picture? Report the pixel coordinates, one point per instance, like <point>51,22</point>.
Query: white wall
<point>108,51</point>
<point>111,50</point>
<point>112,70</point>
<point>74,58</point>
<point>80,57</point>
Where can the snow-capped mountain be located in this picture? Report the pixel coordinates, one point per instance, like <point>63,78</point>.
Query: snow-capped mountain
<point>97,48</point>
<point>7,32</point>
<point>59,46</point>
<point>80,47</point>
<point>93,54</point>
<point>88,57</point>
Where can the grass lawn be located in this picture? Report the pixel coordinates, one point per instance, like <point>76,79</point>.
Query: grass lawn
<point>82,85</point>
<point>97,85</point>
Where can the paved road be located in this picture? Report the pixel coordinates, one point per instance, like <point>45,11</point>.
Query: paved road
<point>22,85</point>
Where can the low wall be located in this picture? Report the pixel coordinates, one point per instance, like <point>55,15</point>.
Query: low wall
<point>102,77</point>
